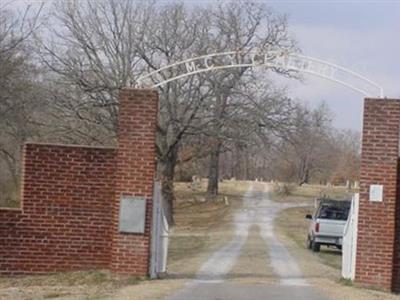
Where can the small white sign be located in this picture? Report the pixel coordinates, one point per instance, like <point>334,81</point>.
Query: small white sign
<point>132,214</point>
<point>376,192</point>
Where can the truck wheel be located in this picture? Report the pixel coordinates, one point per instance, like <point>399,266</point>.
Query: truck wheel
<point>315,247</point>
<point>309,243</point>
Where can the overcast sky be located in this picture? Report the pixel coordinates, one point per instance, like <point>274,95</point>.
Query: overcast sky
<point>360,35</point>
<point>363,36</point>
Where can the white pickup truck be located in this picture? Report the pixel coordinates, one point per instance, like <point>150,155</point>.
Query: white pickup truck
<point>327,224</point>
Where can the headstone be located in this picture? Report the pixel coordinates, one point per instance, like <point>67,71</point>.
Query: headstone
<point>196,182</point>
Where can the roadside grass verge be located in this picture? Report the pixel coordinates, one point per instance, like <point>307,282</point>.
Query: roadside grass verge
<point>94,284</point>
<point>89,278</point>
<point>323,269</point>
<point>292,223</point>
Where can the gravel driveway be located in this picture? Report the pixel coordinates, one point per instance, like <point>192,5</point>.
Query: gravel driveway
<point>212,282</point>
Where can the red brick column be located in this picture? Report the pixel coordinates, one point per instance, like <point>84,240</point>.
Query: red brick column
<point>396,259</point>
<point>135,175</point>
<point>377,220</point>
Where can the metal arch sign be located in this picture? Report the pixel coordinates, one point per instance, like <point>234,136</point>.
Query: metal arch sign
<point>278,60</point>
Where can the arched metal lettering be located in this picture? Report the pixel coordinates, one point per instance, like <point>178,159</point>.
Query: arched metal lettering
<point>278,60</point>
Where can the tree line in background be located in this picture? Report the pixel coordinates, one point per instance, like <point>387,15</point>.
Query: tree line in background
<point>314,153</point>
<point>62,65</point>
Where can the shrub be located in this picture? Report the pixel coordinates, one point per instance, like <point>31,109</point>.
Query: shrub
<point>284,189</point>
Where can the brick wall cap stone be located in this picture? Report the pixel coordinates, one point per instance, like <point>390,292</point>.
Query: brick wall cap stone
<point>383,99</point>
<point>138,89</point>
<point>11,209</point>
<point>71,146</point>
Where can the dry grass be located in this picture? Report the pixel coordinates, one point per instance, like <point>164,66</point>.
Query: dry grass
<point>337,192</point>
<point>292,223</point>
<point>67,285</point>
<point>93,277</point>
<point>326,278</point>
<point>322,269</point>
<point>253,264</point>
<point>309,192</point>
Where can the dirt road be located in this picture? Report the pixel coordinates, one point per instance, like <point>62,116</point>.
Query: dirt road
<point>282,279</point>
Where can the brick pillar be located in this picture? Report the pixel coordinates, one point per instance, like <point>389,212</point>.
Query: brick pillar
<point>396,259</point>
<point>377,220</point>
<point>134,176</point>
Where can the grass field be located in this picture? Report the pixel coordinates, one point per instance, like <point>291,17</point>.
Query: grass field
<point>308,192</point>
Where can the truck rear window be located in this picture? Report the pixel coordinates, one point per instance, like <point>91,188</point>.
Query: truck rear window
<point>333,212</point>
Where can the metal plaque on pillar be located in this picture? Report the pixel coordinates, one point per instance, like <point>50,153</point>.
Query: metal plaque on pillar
<point>132,214</point>
<point>376,193</point>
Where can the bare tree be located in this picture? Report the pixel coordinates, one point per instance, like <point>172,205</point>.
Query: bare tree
<point>346,154</point>
<point>20,94</point>
<point>244,26</point>
<point>92,53</point>
<point>100,47</point>
<point>97,47</point>
<point>304,152</point>
<point>256,116</point>
<point>16,27</point>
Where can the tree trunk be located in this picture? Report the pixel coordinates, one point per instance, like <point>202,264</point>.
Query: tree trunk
<point>304,176</point>
<point>166,168</point>
<point>213,172</point>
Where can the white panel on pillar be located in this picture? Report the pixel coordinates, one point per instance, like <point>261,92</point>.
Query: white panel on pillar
<point>132,214</point>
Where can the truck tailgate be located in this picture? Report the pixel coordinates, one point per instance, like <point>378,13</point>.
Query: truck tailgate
<point>331,227</point>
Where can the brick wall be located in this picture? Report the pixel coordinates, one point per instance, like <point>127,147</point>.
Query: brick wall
<point>377,220</point>
<point>136,164</point>
<point>69,212</point>
<point>64,223</point>
<point>396,259</point>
